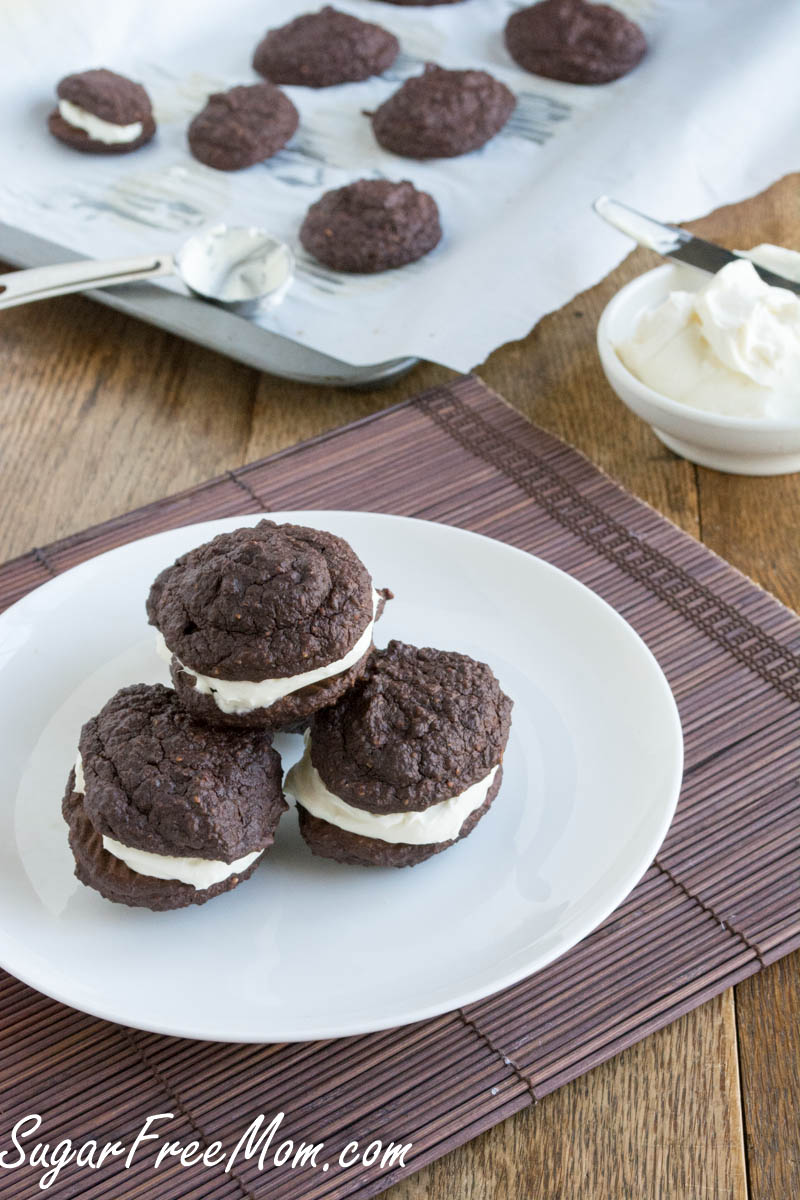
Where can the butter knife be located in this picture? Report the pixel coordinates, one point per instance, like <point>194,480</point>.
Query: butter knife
<point>677,244</point>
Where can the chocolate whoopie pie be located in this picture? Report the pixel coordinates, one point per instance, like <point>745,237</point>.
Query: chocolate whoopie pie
<point>325,48</point>
<point>371,225</point>
<point>101,112</point>
<point>242,127</point>
<point>442,113</point>
<point>265,625</point>
<point>164,811</point>
<point>406,763</point>
<point>574,41</point>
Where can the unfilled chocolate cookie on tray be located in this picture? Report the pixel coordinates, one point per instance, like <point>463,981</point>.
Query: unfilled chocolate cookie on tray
<point>406,763</point>
<point>265,625</point>
<point>443,113</point>
<point>574,41</point>
<point>101,112</point>
<point>163,811</point>
<point>325,48</point>
<point>243,126</point>
<point>371,225</point>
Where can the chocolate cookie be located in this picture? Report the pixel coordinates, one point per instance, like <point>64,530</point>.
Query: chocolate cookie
<point>325,48</point>
<point>101,112</point>
<point>265,625</point>
<point>371,225</point>
<point>407,762</point>
<point>167,811</point>
<point>441,113</point>
<point>242,126</point>
<point>574,41</point>
<point>421,3</point>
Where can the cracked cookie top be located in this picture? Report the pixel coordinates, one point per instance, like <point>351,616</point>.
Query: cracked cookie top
<point>422,726</point>
<point>106,95</point>
<point>442,113</point>
<point>156,780</point>
<point>371,225</point>
<point>325,48</point>
<point>242,126</point>
<point>263,602</point>
<point>574,41</point>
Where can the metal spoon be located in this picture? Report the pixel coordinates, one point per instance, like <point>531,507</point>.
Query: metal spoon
<point>239,268</point>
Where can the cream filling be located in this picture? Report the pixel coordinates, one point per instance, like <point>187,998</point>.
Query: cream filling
<point>97,129</point>
<point>732,347</point>
<point>80,781</point>
<point>242,696</point>
<point>199,873</point>
<point>440,822</point>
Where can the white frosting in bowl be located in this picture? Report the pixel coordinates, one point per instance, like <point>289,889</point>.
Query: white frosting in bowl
<point>731,347</point>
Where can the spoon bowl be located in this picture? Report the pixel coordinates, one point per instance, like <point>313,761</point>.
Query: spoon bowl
<point>240,268</point>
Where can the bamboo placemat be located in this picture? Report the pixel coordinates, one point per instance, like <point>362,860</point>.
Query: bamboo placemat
<point>720,901</point>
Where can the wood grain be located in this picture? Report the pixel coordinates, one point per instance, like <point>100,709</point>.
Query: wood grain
<point>103,413</point>
<point>768,1018</point>
<point>660,1120</point>
<point>99,413</point>
<point>753,523</point>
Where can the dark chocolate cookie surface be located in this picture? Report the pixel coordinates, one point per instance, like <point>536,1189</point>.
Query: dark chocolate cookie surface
<point>422,726</point>
<point>106,95</point>
<point>325,48</point>
<point>114,880</point>
<point>291,713</point>
<point>329,841</point>
<point>109,97</point>
<point>574,41</point>
<point>371,225</point>
<point>243,126</point>
<point>156,780</point>
<point>442,113</point>
<point>263,602</point>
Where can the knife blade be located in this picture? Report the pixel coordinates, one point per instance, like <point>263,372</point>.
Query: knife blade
<point>677,244</point>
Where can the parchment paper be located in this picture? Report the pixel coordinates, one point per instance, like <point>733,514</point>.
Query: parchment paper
<point>710,116</point>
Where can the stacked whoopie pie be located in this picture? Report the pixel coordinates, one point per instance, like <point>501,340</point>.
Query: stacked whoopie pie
<point>163,811</point>
<point>177,792</point>
<point>406,763</point>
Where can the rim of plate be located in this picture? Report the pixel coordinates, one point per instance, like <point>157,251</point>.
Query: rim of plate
<point>578,930</point>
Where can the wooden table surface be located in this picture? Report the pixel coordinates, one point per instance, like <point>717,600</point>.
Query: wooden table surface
<point>100,413</point>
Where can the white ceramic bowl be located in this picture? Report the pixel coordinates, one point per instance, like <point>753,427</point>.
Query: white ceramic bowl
<point>741,445</point>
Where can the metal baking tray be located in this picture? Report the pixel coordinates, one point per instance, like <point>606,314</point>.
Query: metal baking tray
<point>207,325</point>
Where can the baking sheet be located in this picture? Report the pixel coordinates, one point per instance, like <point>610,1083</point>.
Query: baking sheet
<point>682,134</point>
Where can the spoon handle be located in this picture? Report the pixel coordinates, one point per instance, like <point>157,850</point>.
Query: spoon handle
<point>40,283</point>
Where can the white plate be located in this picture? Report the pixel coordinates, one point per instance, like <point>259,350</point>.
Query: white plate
<point>308,948</point>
